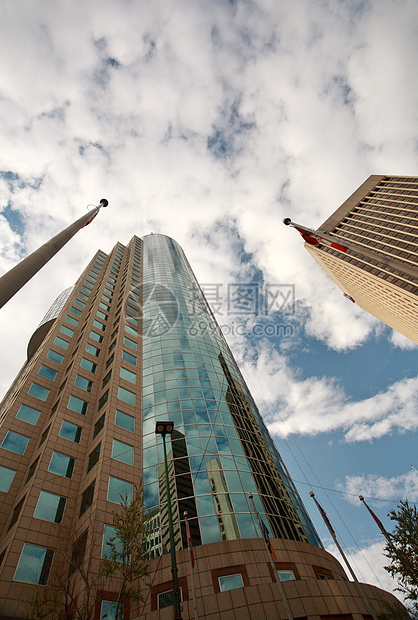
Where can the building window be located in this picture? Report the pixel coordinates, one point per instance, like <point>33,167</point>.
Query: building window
<point>15,442</point>
<point>230,582</point>
<point>77,556</point>
<point>128,375</point>
<point>63,344</point>
<point>109,536</point>
<point>71,320</point>
<point>108,611</point>
<point>99,325</point>
<point>97,337</point>
<point>6,478</point>
<point>130,343</point>
<point>31,470</point>
<point>286,575</point>
<point>16,513</point>
<point>125,421</point>
<point>61,464</point>
<point>50,507</point>
<point>122,452</point>
<point>107,378</point>
<point>54,356</point>
<point>34,565</point>
<point>98,426</point>
<point>322,573</point>
<point>119,490</point>
<point>129,358</point>
<point>88,365</point>
<point>103,400</point>
<point>87,498</point>
<point>83,383</point>
<point>166,599</point>
<point>28,414</point>
<point>79,303</point>
<point>93,458</point>
<point>92,349</point>
<point>67,331</point>
<point>77,405</point>
<point>126,396</point>
<point>75,311</point>
<point>47,372</point>
<point>70,431</point>
<point>38,391</point>
<point>102,315</point>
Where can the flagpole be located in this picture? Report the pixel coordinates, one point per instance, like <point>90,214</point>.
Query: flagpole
<point>189,545</point>
<point>12,281</point>
<point>377,521</point>
<point>279,583</point>
<point>334,536</point>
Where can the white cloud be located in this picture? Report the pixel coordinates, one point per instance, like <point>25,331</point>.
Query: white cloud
<point>403,487</point>
<point>318,404</point>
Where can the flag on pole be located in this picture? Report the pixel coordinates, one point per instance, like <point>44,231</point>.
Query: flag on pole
<point>267,539</point>
<point>189,542</point>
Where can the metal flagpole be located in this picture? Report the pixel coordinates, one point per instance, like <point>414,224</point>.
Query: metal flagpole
<point>12,281</point>
<point>279,583</point>
<point>378,522</point>
<point>189,544</point>
<point>334,536</point>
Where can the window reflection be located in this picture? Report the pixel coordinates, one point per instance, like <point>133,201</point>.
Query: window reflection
<point>34,565</point>
<point>119,490</point>
<point>50,507</point>
<point>15,442</point>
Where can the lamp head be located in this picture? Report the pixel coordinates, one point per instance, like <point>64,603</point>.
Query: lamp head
<point>164,428</point>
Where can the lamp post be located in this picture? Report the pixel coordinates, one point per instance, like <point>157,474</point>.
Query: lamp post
<point>163,429</point>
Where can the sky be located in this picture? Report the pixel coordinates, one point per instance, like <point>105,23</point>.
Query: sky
<point>210,121</point>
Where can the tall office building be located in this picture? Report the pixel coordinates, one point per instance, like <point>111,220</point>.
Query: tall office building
<point>132,343</point>
<point>381,218</point>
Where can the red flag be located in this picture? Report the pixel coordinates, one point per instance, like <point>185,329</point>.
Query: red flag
<point>189,542</point>
<point>324,516</point>
<point>267,539</point>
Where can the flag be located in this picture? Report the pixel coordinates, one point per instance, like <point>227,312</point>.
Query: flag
<point>325,518</point>
<point>189,542</point>
<point>267,539</point>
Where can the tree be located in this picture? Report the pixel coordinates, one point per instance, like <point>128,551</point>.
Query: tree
<point>402,551</point>
<point>127,558</point>
<point>73,594</point>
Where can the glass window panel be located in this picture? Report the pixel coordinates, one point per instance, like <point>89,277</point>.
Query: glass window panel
<point>126,396</point>
<point>108,611</point>
<point>83,383</point>
<point>286,575</point>
<point>79,303</point>
<point>38,391</point>
<point>77,405</point>
<point>230,582</point>
<point>67,331</point>
<point>102,315</point>
<point>54,356</point>
<point>109,533</point>
<point>28,414</point>
<point>118,490</point>
<point>130,343</point>
<point>122,452</point>
<point>47,372</point>
<point>61,464</point>
<point>34,565</point>
<point>125,421</point>
<point>99,325</point>
<point>129,376</point>
<point>98,426</point>
<point>87,498</point>
<point>15,442</point>
<point>90,348</point>
<point>75,311</point>
<point>71,320</point>
<point>93,457</point>
<point>95,336</point>
<point>88,365</point>
<point>70,431</point>
<point>82,296</point>
<point>50,507</point>
<point>129,358</point>
<point>6,478</point>
<point>209,530</point>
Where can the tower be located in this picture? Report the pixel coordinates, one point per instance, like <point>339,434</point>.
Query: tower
<point>134,342</point>
<point>381,275</point>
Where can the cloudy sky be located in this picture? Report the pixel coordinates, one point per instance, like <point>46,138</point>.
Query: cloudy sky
<point>210,121</point>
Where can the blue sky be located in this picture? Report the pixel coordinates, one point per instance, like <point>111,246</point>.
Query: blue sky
<point>211,122</point>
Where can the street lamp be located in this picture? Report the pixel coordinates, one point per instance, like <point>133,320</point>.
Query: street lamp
<point>163,429</point>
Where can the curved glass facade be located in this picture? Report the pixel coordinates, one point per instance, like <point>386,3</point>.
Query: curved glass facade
<point>220,450</point>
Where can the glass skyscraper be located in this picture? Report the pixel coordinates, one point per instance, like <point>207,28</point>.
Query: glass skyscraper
<point>132,343</point>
